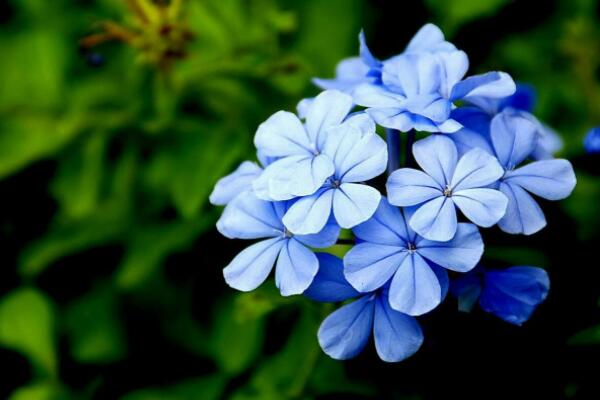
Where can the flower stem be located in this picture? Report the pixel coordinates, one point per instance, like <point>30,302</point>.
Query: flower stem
<point>408,155</point>
<point>393,146</point>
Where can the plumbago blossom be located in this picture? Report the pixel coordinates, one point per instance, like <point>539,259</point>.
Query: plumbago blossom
<point>482,161</point>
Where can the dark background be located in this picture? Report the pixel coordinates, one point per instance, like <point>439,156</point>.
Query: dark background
<point>110,268</point>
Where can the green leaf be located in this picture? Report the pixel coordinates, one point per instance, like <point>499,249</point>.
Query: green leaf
<point>590,336</point>
<point>452,14</point>
<point>27,324</point>
<point>77,183</point>
<point>40,391</point>
<point>206,388</point>
<point>148,246</point>
<point>237,337</point>
<point>93,328</point>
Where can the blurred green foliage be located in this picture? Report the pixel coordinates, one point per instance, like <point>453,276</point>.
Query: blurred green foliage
<point>137,144</point>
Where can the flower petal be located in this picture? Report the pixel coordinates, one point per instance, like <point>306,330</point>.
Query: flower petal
<point>514,293</point>
<point>408,187</point>
<point>366,160</point>
<point>460,254</point>
<point>296,268</point>
<point>429,38</point>
<point>492,84</point>
<point>415,288</point>
<point>387,226</point>
<point>397,335</point>
<point>365,53</point>
<point>369,95</point>
<point>346,331</point>
<point>240,180</point>
<point>523,214</point>
<point>476,169</point>
<point>549,179</point>
<point>309,214</point>
<point>251,267</point>
<point>327,109</point>
<point>454,66</point>
<point>330,285</point>
<point>437,156</point>
<point>282,135</point>
<point>248,217</point>
<point>327,237</point>
<point>514,138</point>
<point>354,203</point>
<point>349,73</point>
<point>483,207</point>
<point>435,220</point>
<point>368,266</point>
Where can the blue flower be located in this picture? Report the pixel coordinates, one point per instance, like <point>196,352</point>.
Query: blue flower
<point>418,88</point>
<point>477,116</point>
<point>301,166</point>
<point>248,217</point>
<point>345,332</point>
<point>513,140</point>
<point>511,294</point>
<point>591,143</point>
<point>239,181</point>
<point>446,182</point>
<point>389,251</point>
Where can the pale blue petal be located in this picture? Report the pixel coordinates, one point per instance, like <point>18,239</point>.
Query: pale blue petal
<point>435,220</point>
<point>483,207</point>
<point>240,180</point>
<point>523,214</point>
<point>393,118</point>
<point>302,107</point>
<point>430,106</point>
<point>397,336</point>
<point>442,276</point>
<point>248,217</point>
<point>408,187</point>
<point>366,160</point>
<point>365,53</point>
<point>349,73</point>
<point>327,237</point>
<point>412,74</point>
<point>513,137</point>
<point>492,84</point>
<point>415,288</point>
<point>429,39</point>
<point>354,203</point>
<point>274,183</point>
<point>467,139</point>
<point>296,268</point>
<point>368,95</point>
<point>475,169</point>
<point>549,179</point>
<point>346,331</point>
<point>251,267</point>
<point>282,135</point>
<point>454,66</point>
<point>307,175</point>
<point>460,254</point>
<point>437,156</point>
<point>368,266</point>
<point>330,285</point>
<point>327,109</point>
<point>309,214</point>
<point>362,121</point>
<point>387,226</point>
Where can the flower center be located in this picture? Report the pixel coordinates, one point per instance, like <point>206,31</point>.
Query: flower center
<point>448,191</point>
<point>287,234</point>
<point>335,183</point>
<point>411,248</point>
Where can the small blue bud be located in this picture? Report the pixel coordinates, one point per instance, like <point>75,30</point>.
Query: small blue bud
<point>591,143</point>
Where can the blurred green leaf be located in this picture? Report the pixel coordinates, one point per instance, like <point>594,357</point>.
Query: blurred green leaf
<point>517,255</point>
<point>93,327</point>
<point>452,14</point>
<point>590,336</point>
<point>237,337</point>
<point>208,387</point>
<point>40,391</point>
<point>27,324</point>
<point>78,181</point>
<point>148,246</point>
<point>583,203</point>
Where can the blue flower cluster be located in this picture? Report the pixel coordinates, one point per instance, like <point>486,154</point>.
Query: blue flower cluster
<point>481,161</point>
